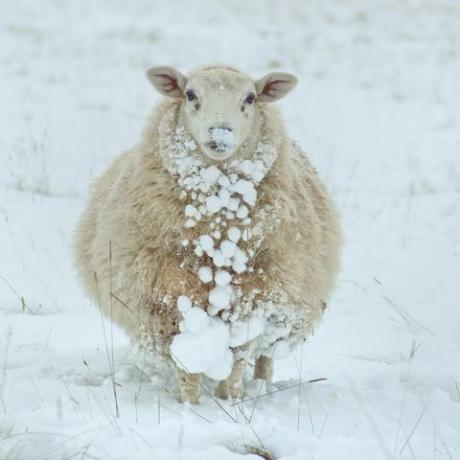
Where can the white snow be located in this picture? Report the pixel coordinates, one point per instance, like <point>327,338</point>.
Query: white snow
<point>233,204</point>
<point>184,303</point>
<point>195,320</point>
<point>234,234</point>
<point>205,274</point>
<point>220,297</point>
<point>218,259</point>
<point>242,212</point>
<point>223,278</point>
<point>207,244</point>
<point>210,174</point>
<point>224,139</point>
<point>213,204</point>
<point>207,349</point>
<point>190,210</point>
<point>221,370</point>
<point>376,108</point>
<point>244,331</point>
<point>228,248</point>
<point>189,223</point>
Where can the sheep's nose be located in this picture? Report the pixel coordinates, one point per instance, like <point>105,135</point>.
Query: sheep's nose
<point>215,129</point>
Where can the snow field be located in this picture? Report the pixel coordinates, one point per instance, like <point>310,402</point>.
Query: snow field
<point>377,110</point>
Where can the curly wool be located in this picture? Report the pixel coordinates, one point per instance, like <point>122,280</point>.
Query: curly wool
<point>130,246</point>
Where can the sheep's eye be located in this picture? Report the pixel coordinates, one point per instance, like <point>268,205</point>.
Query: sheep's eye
<point>250,98</point>
<point>190,94</point>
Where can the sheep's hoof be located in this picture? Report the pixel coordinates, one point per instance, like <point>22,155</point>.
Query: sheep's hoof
<point>226,391</point>
<point>189,385</point>
<point>190,398</point>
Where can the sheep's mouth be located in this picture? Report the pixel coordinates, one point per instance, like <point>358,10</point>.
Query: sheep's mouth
<point>218,151</point>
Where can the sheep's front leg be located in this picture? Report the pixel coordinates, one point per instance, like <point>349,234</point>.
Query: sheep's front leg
<point>233,386</point>
<point>189,385</point>
<point>264,368</point>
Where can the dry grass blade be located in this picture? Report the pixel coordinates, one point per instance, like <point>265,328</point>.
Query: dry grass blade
<point>196,413</point>
<point>136,398</point>
<point>159,409</point>
<point>122,303</point>
<point>117,410</point>
<point>447,451</point>
<point>322,379</point>
<point>300,386</point>
<point>408,443</point>
<point>323,425</point>
<point>252,429</point>
<point>106,347</point>
<point>371,421</point>
<point>24,305</point>
<point>233,419</point>
<point>5,365</point>
<point>413,431</point>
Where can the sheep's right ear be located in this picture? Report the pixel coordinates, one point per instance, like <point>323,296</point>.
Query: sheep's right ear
<point>167,80</point>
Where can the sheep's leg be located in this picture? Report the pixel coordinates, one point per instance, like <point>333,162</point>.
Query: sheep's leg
<point>189,385</point>
<point>233,386</point>
<point>264,368</point>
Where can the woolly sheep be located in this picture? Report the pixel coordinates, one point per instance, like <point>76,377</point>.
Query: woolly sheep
<point>212,241</point>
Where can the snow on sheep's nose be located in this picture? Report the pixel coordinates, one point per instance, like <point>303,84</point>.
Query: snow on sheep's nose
<point>222,139</point>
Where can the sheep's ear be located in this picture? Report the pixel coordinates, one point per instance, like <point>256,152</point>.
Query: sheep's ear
<point>167,80</point>
<point>274,86</point>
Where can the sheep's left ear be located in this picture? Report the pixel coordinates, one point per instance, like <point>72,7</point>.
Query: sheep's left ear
<point>274,86</point>
<point>167,80</point>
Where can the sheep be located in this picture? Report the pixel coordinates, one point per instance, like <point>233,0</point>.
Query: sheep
<point>212,242</point>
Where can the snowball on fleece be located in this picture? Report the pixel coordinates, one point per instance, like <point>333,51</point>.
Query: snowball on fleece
<point>233,204</point>
<point>239,261</point>
<point>234,234</point>
<point>184,303</point>
<point>210,174</point>
<point>247,167</point>
<point>242,212</point>
<point>247,190</point>
<point>228,248</point>
<point>196,353</point>
<point>207,244</point>
<point>213,204</point>
<point>195,320</point>
<point>220,297</point>
<point>244,331</point>
<point>224,181</point>
<point>189,223</point>
<point>222,369</point>
<point>223,278</point>
<point>250,197</point>
<point>218,259</point>
<point>224,196</point>
<point>205,274</point>
<point>190,210</point>
<point>240,256</point>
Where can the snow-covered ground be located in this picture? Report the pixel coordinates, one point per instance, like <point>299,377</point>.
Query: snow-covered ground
<point>377,107</point>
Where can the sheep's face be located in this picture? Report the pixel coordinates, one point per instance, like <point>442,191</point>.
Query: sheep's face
<point>219,104</point>
<point>218,110</point>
